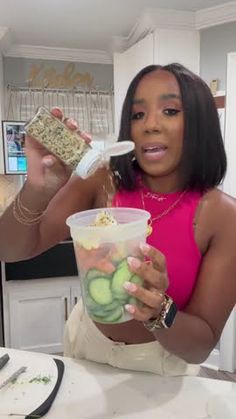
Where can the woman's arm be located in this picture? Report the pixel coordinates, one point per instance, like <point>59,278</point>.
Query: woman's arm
<point>36,221</point>
<point>51,191</point>
<point>197,329</point>
<point>19,241</point>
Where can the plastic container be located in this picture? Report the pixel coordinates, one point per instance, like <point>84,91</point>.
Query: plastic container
<point>68,146</point>
<point>101,255</point>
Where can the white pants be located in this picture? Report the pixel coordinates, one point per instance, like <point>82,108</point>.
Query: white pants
<point>83,340</point>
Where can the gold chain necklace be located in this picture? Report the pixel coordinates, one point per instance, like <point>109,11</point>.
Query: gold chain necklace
<point>165,212</point>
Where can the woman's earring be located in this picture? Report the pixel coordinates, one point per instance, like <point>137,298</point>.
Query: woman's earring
<point>117,174</point>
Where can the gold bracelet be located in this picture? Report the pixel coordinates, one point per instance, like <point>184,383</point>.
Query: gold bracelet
<point>23,208</point>
<point>24,221</point>
<point>24,215</point>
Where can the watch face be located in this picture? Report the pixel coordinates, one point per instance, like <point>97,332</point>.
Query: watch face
<point>170,315</point>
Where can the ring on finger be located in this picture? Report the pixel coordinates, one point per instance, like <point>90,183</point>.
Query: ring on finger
<point>160,294</point>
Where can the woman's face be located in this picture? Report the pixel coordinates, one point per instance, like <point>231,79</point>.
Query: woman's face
<point>157,124</point>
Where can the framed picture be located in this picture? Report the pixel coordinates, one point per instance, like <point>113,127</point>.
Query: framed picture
<point>14,147</point>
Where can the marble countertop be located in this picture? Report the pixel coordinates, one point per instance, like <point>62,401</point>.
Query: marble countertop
<point>93,391</point>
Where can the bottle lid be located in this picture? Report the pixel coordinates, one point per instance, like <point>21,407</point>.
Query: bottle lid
<point>98,154</point>
<point>89,163</point>
<point>118,148</point>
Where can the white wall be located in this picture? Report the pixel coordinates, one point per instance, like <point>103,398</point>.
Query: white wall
<point>215,44</point>
<point>17,70</point>
<point>228,338</point>
<point>126,65</point>
<point>180,46</point>
<point>1,112</point>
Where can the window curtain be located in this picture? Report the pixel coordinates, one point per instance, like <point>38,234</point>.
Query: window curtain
<point>93,110</point>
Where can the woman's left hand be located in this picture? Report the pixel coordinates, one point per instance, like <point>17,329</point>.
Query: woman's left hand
<point>154,274</point>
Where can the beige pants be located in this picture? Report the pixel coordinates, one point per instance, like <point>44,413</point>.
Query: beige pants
<point>83,340</point>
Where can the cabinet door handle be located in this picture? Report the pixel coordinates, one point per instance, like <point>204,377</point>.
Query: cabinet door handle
<point>66,308</point>
<point>76,300</point>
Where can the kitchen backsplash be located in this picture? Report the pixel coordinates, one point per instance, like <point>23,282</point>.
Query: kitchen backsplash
<point>9,186</point>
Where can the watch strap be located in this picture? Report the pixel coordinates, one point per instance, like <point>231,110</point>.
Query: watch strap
<point>166,317</point>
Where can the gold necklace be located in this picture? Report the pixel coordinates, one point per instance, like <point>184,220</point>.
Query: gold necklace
<point>165,212</point>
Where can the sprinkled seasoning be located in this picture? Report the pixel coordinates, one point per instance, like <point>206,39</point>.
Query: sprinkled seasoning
<point>54,135</point>
<point>44,380</point>
<point>104,218</point>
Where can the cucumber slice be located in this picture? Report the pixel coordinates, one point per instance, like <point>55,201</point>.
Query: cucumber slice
<point>109,307</point>
<point>135,302</point>
<point>100,290</point>
<point>95,308</point>
<point>104,310</point>
<point>95,273</point>
<point>98,312</point>
<point>122,263</point>
<point>113,317</point>
<point>121,298</point>
<point>90,303</point>
<point>136,280</point>
<point>120,276</point>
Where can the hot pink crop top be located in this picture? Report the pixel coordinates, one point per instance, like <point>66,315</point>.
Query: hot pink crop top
<point>173,235</point>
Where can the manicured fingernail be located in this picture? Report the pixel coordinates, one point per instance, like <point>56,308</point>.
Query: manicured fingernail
<point>48,161</point>
<point>134,262</point>
<point>144,247</point>
<point>85,135</point>
<point>130,308</point>
<point>129,286</point>
<point>57,112</point>
<point>72,123</point>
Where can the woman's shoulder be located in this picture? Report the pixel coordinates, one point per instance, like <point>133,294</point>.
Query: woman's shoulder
<point>215,217</point>
<point>220,202</point>
<point>217,213</point>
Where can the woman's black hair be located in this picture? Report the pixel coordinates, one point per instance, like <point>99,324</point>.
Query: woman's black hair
<point>203,161</point>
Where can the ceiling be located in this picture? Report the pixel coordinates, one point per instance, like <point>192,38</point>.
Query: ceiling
<point>81,24</point>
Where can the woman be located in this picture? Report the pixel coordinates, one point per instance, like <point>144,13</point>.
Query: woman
<point>179,161</point>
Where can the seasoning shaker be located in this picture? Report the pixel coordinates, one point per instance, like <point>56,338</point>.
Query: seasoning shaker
<point>83,158</point>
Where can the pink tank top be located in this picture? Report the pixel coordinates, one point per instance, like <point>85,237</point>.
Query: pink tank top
<point>173,235</point>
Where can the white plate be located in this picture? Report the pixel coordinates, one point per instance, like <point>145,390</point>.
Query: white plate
<point>23,397</point>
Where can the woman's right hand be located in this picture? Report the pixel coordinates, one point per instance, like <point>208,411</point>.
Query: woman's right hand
<point>45,171</point>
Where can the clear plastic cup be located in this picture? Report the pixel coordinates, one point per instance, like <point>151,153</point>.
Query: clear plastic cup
<point>101,255</point>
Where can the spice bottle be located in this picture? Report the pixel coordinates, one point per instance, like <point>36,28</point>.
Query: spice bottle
<point>68,146</point>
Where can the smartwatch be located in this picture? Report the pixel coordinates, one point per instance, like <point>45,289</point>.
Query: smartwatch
<point>166,317</point>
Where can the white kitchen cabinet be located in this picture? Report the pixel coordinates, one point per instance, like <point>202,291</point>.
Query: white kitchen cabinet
<point>177,46</point>
<point>125,66</point>
<point>35,312</point>
<point>74,296</point>
<point>162,46</point>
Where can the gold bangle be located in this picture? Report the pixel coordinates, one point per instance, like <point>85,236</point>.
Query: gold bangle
<point>23,208</point>
<point>24,215</point>
<point>24,221</point>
